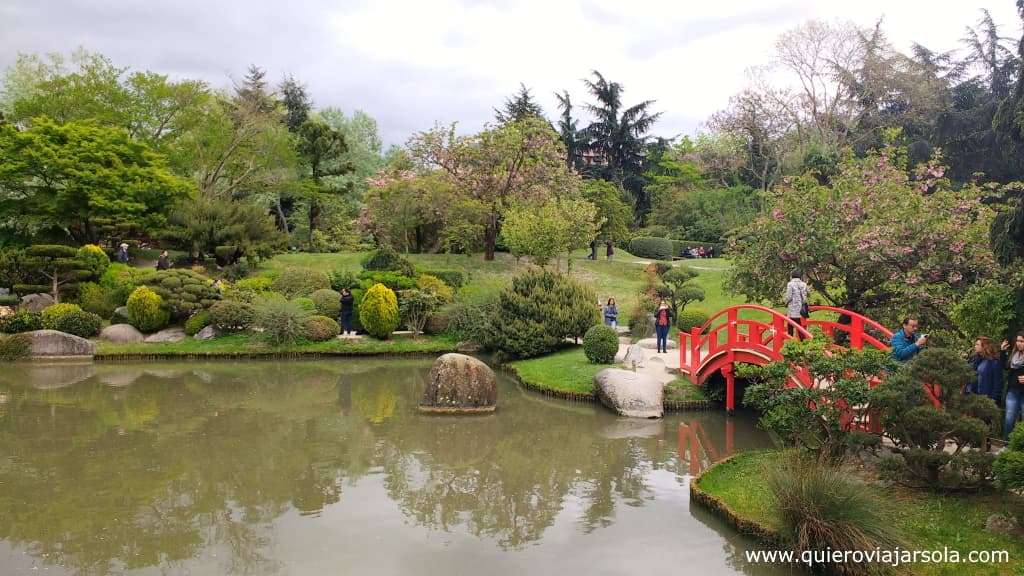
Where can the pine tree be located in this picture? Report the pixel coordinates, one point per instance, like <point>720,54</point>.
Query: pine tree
<point>519,107</point>
<point>296,103</point>
<point>568,132</point>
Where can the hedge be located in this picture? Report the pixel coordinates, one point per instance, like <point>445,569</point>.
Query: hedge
<point>649,247</point>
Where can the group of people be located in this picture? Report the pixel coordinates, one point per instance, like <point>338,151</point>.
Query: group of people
<point>609,249</point>
<point>699,252</point>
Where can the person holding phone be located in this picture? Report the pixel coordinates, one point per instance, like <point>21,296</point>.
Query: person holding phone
<point>1014,360</point>
<point>905,342</point>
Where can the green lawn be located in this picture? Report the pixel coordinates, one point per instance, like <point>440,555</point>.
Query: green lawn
<point>249,344</point>
<point>682,390</point>
<point>564,371</point>
<point>929,521</point>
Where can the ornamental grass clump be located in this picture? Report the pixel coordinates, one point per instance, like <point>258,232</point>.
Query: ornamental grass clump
<point>281,322</point>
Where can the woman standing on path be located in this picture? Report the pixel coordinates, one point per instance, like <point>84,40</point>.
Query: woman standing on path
<point>663,318</point>
<point>796,299</point>
<point>985,361</point>
<point>1014,382</point>
<point>611,314</point>
<point>347,304</point>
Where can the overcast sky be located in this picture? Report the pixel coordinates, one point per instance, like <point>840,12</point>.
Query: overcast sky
<point>412,63</point>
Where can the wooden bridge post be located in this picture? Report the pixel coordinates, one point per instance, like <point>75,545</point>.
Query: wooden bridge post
<point>695,345</point>
<point>730,387</point>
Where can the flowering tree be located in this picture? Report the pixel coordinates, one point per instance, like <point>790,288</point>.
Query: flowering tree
<point>875,239</point>
<point>517,161</point>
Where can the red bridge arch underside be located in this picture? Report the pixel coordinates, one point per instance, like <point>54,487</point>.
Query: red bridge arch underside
<point>727,338</point>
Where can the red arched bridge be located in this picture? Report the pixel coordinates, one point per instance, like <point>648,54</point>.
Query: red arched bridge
<point>733,335</point>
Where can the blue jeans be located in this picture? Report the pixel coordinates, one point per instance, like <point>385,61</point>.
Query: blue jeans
<point>1014,405</point>
<point>662,332</point>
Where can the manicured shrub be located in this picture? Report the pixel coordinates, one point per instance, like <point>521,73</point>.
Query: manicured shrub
<point>300,282</point>
<point>454,278</point>
<point>231,315</point>
<point>236,271</point>
<point>641,324</point>
<point>21,321</point>
<point>96,299</point>
<point>689,319</point>
<point>321,328</point>
<point>306,304</point>
<point>77,322</point>
<point>435,286</point>
<point>415,308</point>
<point>146,310</point>
<point>393,280</point>
<point>197,322</point>
<point>226,255</point>
<point>820,507</point>
<point>9,300</point>
<point>649,247</point>
<point>120,280</point>
<point>539,311</point>
<point>14,347</point>
<point>600,344</point>
<point>55,311</point>
<point>385,258</point>
<point>378,311</point>
<point>470,320</point>
<point>342,279</point>
<point>283,322</point>
<point>248,289</point>
<point>184,292</point>
<point>1009,465</point>
<point>94,258</point>
<point>327,302</point>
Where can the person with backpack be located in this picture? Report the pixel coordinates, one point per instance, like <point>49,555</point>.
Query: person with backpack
<point>663,318</point>
<point>347,307</point>
<point>796,298</point>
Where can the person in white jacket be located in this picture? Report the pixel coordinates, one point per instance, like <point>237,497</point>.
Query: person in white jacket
<point>796,298</point>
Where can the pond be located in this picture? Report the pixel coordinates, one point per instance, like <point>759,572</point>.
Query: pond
<point>325,467</point>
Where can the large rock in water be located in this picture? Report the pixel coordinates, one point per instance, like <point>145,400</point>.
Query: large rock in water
<point>54,344</point>
<point>121,334</point>
<point>629,393</point>
<point>652,344</point>
<point>460,384</point>
<point>166,335</point>
<point>36,302</point>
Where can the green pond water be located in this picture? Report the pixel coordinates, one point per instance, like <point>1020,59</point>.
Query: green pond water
<point>325,467</point>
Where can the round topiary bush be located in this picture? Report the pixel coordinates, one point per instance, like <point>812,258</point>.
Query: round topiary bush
<point>385,258</point>
<point>146,310</point>
<point>94,258</point>
<point>305,303</point>
<point>231,315</point>
<point>300,282</point>
<point>94,298</point>
<point>197,322</point>
<point>328,302</point>
<point>600,344</point>
<point>690,319</point>
<point>435,286</point>
<point>321,328</point>
<point>77,322</point>
<point>378,311</point>
<point>52,313</point>
<point>21,321</point>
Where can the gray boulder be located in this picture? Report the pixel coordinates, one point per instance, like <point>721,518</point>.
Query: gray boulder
<point>207,333</point>
<point>460,384</point>
<point>120,315</point>
<point>121,334</point>
<point>652,344</point>
<point>629,393</point>
<point>54,344</point>
<point>166,335</point>
<point>36,302</point>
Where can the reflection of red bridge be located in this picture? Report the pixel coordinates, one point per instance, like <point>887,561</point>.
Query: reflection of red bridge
<point>733,335</point>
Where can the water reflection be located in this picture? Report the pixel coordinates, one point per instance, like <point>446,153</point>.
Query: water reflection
<point>201,466</point>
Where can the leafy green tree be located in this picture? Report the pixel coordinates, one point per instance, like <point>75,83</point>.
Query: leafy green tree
<point>60,266</point>
<point>519,107</point>
<point>619,136</point>
<point>80,180</point>
<point>322,148</point>
<point>614,214</point>
<point>203,223</point>
<point>559,225</point>
<point>986,310</point>
<point>415,308</point>
<point>680,289</point>
<point>363,150</point>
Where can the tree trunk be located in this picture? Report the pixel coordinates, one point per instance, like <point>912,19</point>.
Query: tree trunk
<point>282,220</point>
<point>55,291</point>
<point>314,216</point>
<point>490,239</point>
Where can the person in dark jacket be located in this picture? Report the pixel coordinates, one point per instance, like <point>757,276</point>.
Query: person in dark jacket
<point>347,306</point>
<point>122,253</point>
<point>663,318</point>
<point>164,261</point>
<point>611,313</point>
<point>905,341</point>
<point>989,370</point>
<point>609,249</point>
<point>1014,361</point>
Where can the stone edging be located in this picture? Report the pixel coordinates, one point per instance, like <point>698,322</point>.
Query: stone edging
<point>669,405</point>
<point>719,508</point>
<point>135,356</point>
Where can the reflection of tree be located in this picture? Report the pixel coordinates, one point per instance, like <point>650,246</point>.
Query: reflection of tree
<point>152,465</point>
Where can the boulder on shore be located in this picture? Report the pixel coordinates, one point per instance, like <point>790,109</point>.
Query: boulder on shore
<point>54,344</point>
<point>121,334</point>
<point>460,384</point>
<point>36,302</point>
<point>652,344</point>
<point>207,333</point>
<point>166,335</point>
<point>635,357</point>
<point>629,393</point>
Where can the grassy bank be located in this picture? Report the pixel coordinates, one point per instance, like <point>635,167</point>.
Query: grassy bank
<point>251,345</point>
<point>564,371</point>
<point>929,521</point>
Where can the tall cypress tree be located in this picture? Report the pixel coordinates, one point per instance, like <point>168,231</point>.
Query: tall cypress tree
<point>519,106</point>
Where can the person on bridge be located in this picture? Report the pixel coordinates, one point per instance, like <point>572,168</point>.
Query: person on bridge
<point>1014,383</point>
<point>663,318</point>
<point>989,370</point>
<point>796,298</point>
<point>905,341</point>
